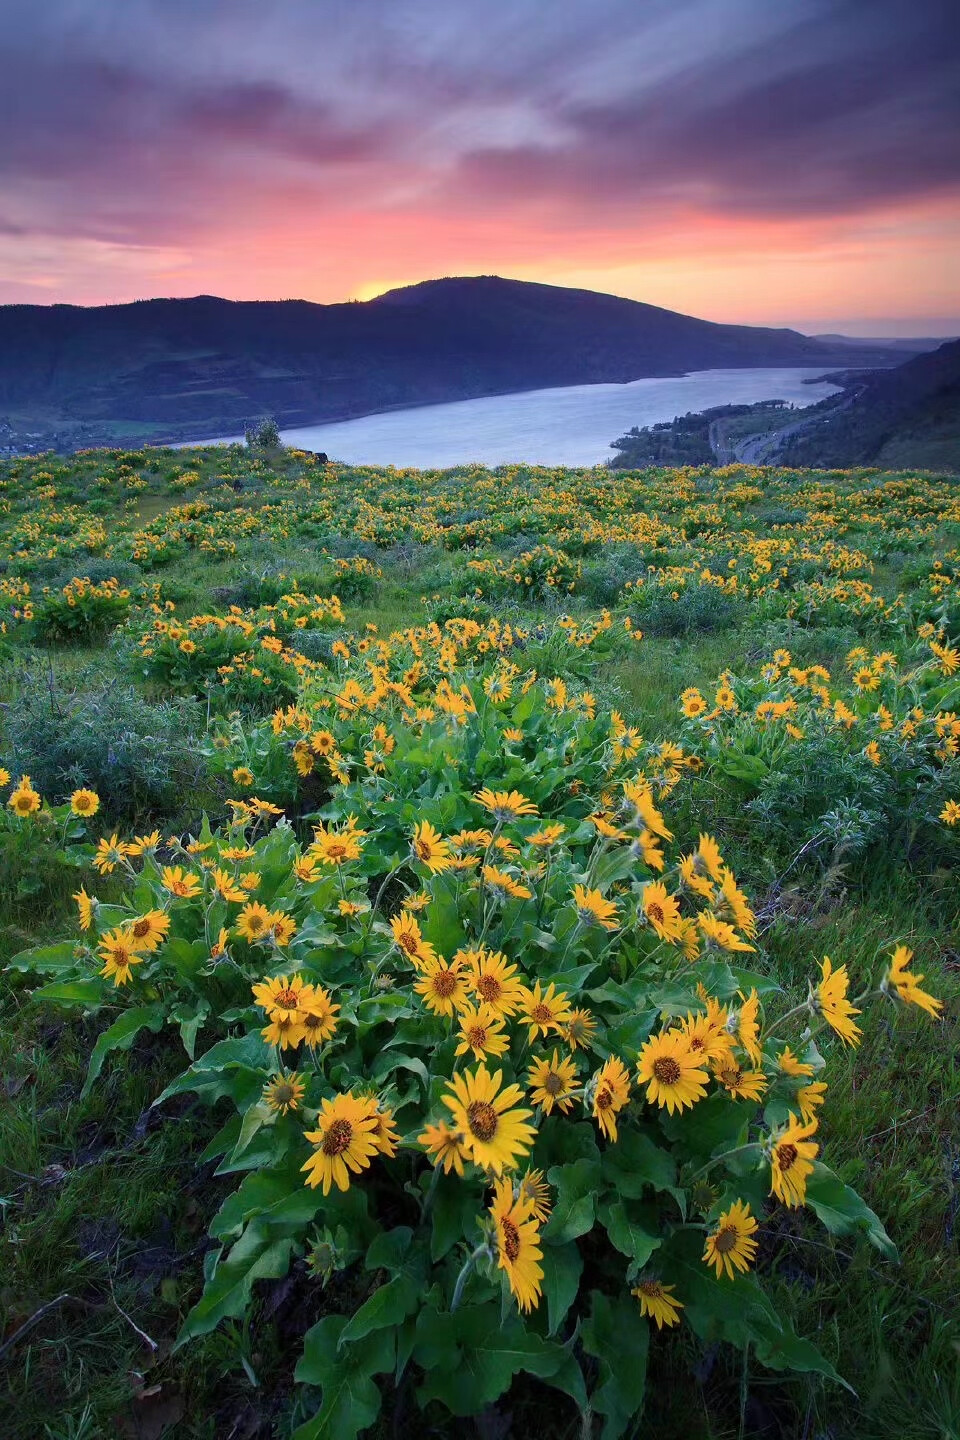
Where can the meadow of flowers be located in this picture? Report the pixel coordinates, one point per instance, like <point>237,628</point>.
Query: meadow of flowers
<point>565,900</point>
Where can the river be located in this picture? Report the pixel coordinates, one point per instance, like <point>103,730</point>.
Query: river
<point>573,425</point>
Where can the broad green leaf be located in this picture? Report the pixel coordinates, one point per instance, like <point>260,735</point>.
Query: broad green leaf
<point>843,1212</point>
<point>562,1268</point>
<point>618,1336</point>
<point>574,1207</point>
<point>350,1400</point>
<point>635,1162</point>
<point>390,1304</point>
<point>120,1036</point>
<point>470,1358</point>
<point>73,992</point>
<point>627,1233</point>
<point>46,959</point>
<point>257,1255</point>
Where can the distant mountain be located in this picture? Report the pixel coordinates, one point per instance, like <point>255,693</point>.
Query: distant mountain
<point>911,346</point>
<point>205,366</point>
<point>907,416</point>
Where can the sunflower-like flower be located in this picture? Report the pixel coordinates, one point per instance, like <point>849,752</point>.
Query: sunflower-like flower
<point>149,930</point>
<point>182,883</point>
<point>534,1188</point>
<point>335,847</point>
<point>410,942</point>
<point>792,1154</point>
<point>545,1011</point>
<point>119,953</point>
<point>110,853</point>
<point>481,1031</point>
<point>658,1302</point>
<point>493,980</point>
<point>746,1026</point>
<point>445,1146</point>
<point>518,1249</point>
<point>550,835</point>
<point>611,1092</point>
<point>281,995</point>
<point>493,1126</point>
<point>225,885</point>
<point>672,1074</point>
<point>345,1140</point>
<point>284,1092</point>
<point>730,1244</point>
<point>503,886</point>
<point>553,1082</point>
<point>254,922</point>
<point>741,1084</point>
<point>385,1133</point>
<point>706,1037</point>
<point>85,907</point>
<point>579,1030</point>
<point>84,802</point>
<point>662,911</point>
<point>505,805</point>
<point>430,848</point>
<point>24,799</point>
<point>317,1015</point>
<point>443,985</point>
<point>720,933</point>
<point>906,984</point>
<point>593,909</point>
<point>831,1000</point>
<point>810,1097</point>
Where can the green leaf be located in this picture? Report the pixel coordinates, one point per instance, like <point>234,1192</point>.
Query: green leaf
<point>635,1162</point>
<point>120,1036</point>
<point>574,1208</point>
<point>627,1233</point>
<point>46,959</point>
<point>453,1215</point>
<point>74,992</point>
<point>390,1304</point>
<point>562,1268</point>
<point>843,1212</point>
<point>351,1400</point>
<point>257,1255</point>
<point>618,1336</point>
<point>470,1358</point>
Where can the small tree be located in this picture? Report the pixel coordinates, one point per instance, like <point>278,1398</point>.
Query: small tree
<point>263,435</point>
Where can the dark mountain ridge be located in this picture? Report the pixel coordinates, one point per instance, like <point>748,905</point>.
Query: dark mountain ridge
<point>203,366</point>
<point>906,416</point>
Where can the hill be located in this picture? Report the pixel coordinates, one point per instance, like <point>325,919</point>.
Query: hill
<point>204,366</point>
<point>907,416</point>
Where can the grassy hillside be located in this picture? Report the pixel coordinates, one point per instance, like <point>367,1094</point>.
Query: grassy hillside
<point>269,674</point>
<point>907,416</point>
<point>205,366</point>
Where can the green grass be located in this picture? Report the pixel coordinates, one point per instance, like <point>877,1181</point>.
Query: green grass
<point>105,1208</point>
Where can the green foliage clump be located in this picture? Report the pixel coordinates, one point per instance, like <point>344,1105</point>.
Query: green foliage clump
<point>140,757</point>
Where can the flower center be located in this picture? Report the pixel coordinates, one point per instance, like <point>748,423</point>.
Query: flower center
<point>408,941</point>
<point>655,912</point>
<point>482,1119</point>
<point>604,1098</point>
<point>255,923</point>
<point>553,1083</point>
<point>444,983</point>
<point>786,1156</point>
<point>725,1240</point>
<point>287,999</point>
<point>542,1014</point>
<point>666,1070</point>
<point>423,850</point>
<point>337,1138</point>
<point>651,1288</point>
<point>490,988</point>
<point>511,1238</point>
<point>141,927</point>
<point>283,1093</point>
<point>477,1037</point>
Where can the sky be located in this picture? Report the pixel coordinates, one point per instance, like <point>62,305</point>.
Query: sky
<point>777,162</point>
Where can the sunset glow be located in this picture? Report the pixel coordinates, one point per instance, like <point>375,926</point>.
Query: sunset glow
<point>788,165</point>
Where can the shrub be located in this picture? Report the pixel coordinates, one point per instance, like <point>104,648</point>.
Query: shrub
<point>485,1039</point>
<point>140,758</point>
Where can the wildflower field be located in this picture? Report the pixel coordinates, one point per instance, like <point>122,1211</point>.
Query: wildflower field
<point>479,950</point>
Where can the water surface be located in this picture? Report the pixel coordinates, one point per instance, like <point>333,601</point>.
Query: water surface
<point>573,425</point>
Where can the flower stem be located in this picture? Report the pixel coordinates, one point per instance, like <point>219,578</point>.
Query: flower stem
<point>737,1150</point>
<point>464,1275</point>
